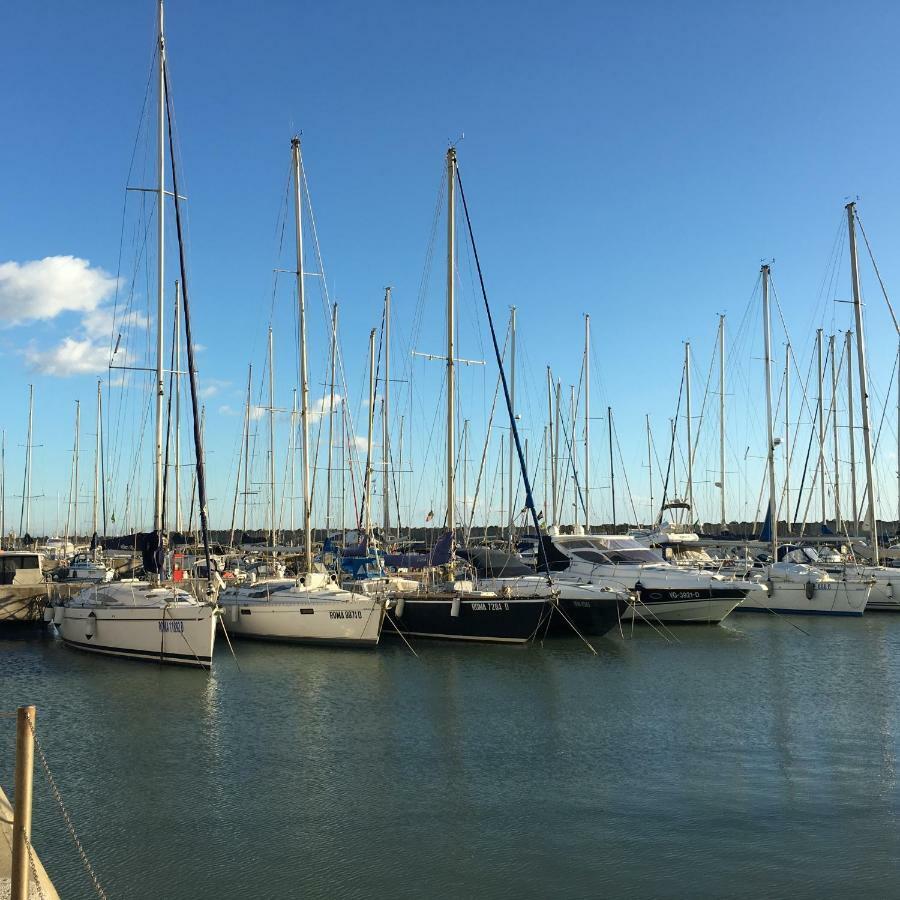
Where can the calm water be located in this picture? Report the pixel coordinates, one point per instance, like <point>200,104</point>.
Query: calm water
<point>746,760</point>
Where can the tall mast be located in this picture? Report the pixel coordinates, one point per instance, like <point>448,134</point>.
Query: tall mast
<point>546,472</point>
<point>75,463</point>
<point>334,318</point>
<point>863,379</point>
<point>512,400</point>
<point>465,477</point>
<point>247,449</point>
<point>787,435</point>
<point>177,330</point>
<point>650,466</point>
<point>572,455</point>
<point>559,489</point>
<point>834,434</point>
<point>551,448</point>
<point>722,521</point>
<point>502,481</point>
<point>451,335</point>
<point>852,432</point>
<point>97,463</point>
<point>690,439</point>
<point>2,487</point>
<point>292,449</point>
<point>587,424</point>
<point>160,273</point>
<point>612,468</point>
<point>271,441</point>
<point>367,491</point>
<point>304,378</point>
<point>821,414</point>
<point>767,341</point>
<point>385,418</point>
<point>25,514</point>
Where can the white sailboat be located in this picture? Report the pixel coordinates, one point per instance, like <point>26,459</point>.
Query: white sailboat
<point>146,620</point>
<point>312,608</point>
<point>792,586</point>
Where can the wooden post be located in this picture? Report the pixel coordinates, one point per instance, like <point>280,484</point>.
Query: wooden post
<point>22,814</point>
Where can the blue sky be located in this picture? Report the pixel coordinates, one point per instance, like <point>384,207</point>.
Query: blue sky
<point>634,161</point>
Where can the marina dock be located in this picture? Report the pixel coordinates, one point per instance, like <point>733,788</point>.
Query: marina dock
<point>44,887</point>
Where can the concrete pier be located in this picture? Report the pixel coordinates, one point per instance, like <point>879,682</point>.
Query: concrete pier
<point>36,891</point>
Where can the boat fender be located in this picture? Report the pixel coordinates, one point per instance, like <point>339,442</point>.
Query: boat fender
<point>58,612</point>
<point>810,590</point>
<point>401,605</point>
<point>454,607</point>
<point>890,589</point>
<point>90,625</point>
<point>48,614</point>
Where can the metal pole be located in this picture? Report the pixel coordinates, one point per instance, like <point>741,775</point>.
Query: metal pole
<point>25,719</point>
<point>852,432</point>
<point>451,336</point>
<point>75,463</point>
<point>160,262</point>
<point>546,471</point>
<point>292,449</point>
<point>304,377</point>
<point>465,475</point>
<point>367,492</point>
<point>690,439</point>
<point>767,340</point>
<point>722,521</point>
<point>821,413</point>
<point>271,441</point>
<point>587,424</point>
<point>787,434</point>
<point>572,456</point>
<point>178,523</point>
<point>502,482</point>
<point>25,514</point>
<point>834,433</point>
<point>334,318</point>
<point>97,463</point>
<point>247,450</point>
<point>385,419</point>
<point>512,400</point>
<point>550,445</point>
<point>559,489</point>
<point>650,466</point>
<point>2,487</point>
<point>612,468</point>
<point>863,380</point>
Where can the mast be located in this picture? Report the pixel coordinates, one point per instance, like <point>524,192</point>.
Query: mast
<point>385,419</point>
<point>75,464</point>
<point>25,514</point>
<point>559,489</point>
<point>722,521</point>
<point>512,399</point>
<point>177,330</point>
<point>465,475</point>
<point>863,379</point>
<point>546,472</point>
<point>572,457</point>
<point>690,451</point>
<point>304,378</point>
<point>94,522</point>
<point>787,435</point>
<point>451,335</point>
<point>650,465</point>
<point>834,433</point>
<point>292,450</point>
<point>852,433</point>
<point>2,486</point>
<point>821,414</point>
<point>160,273</point>
<point>502,480</point>
<point>271,441</point>
<point>551,448</point>
<point>767,341</point>
<point>367,491</point>
<point>247,450</point>
<point>612,468</point>
<point>587,424</point>
<point>334,318</point>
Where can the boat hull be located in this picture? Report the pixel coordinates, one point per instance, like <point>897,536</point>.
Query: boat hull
<point>830,598</point>
<point>176,635</point>
<point>594,617</point>
<point>485,619</point>
<point>684,606</point>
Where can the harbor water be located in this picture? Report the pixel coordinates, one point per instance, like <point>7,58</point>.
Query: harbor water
<point>746,760</point>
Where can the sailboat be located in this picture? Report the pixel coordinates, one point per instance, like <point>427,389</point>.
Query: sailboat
<point>149,619</point>
<point>794,586</point>
<point>311,608</point>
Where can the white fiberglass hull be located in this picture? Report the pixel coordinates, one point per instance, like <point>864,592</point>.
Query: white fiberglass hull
<point>181,632</point>
<point>709,611</point>
<point>321,615</point>
<point>885,596</point>
<point>812,593</point>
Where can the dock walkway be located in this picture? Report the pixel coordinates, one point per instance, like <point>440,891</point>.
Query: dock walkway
<point>45,887</point>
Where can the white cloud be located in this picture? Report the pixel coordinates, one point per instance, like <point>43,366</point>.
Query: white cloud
<point>101,323</point>
<point>44,288</point>
<point>226,410</point>
<point>319,408</point>
<point>71,357</point>
<point>212,386</point>
<point>360,442</point>
<point>257,412</point>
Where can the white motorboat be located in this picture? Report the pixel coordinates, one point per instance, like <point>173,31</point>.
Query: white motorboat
<point>85,567</point>
<point>312,609</point>
<point>138,620</point>
<point>664,592</point>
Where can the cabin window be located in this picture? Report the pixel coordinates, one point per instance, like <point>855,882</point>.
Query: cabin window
<point>591,556</point>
